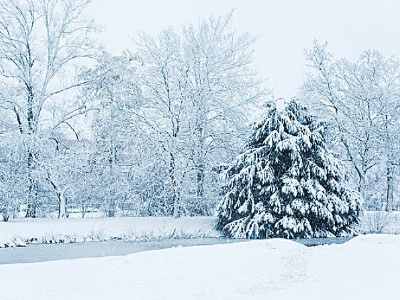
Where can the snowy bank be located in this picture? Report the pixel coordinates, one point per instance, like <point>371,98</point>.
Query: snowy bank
<point>18,232</point>
<point>364,268</point>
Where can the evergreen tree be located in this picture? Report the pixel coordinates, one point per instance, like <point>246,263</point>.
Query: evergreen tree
<point>286,183</point>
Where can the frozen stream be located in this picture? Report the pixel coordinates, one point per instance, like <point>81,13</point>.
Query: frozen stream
<point>50,252</point>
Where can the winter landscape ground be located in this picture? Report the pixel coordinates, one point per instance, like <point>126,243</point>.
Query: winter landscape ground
<point>363,268</point>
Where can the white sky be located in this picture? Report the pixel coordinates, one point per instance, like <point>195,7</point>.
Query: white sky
<point>285,27</point>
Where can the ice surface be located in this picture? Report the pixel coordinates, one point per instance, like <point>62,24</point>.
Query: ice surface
<point>46,252</point>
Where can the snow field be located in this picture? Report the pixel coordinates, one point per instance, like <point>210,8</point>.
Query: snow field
<point>364,268</point>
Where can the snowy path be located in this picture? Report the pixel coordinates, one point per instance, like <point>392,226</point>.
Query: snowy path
<point>365,268</point>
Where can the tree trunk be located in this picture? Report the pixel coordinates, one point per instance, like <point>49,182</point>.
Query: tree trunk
<point>111,211</point>
<point>200,183</point>
<point>389,192</point>
<point>62,203</point>
<point>389,167</point>
<point>175,189</point>
<point>83,210</point>
<point>112,203</point>
<point>62,211</point>
<point>361,184</point>
<point>32,204</point>
<point>32,182</point>
<point>201,153</point>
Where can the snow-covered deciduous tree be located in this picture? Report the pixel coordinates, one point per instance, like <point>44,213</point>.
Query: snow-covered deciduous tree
<point>360,101</point>
<point>39,43</point>
<point>196,86</point>
<point>113,93</point>
<point>11,175</point>
<point>286,183</point>
<point>163,116</point>
<point>220,86</point>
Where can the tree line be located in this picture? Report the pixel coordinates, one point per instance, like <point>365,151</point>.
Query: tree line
<point>150,131</point>
<point>144,132</point>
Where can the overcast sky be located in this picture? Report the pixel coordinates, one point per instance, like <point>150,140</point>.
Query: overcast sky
<point>285,27</point>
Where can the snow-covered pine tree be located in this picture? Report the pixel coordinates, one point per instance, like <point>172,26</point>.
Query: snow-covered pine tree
<point>286,183</point>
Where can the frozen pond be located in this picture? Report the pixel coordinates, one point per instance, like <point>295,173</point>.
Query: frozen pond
<point>50,252</point>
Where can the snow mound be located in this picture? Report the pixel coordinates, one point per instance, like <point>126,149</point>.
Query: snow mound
<point>374,239</point>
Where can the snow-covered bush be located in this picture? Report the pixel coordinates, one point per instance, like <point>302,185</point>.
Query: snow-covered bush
<point>380,222</point>
<point>286,183</point>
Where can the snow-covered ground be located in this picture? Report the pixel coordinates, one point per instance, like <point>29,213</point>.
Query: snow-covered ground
<point>20,231</point>
<point>366,267</point>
